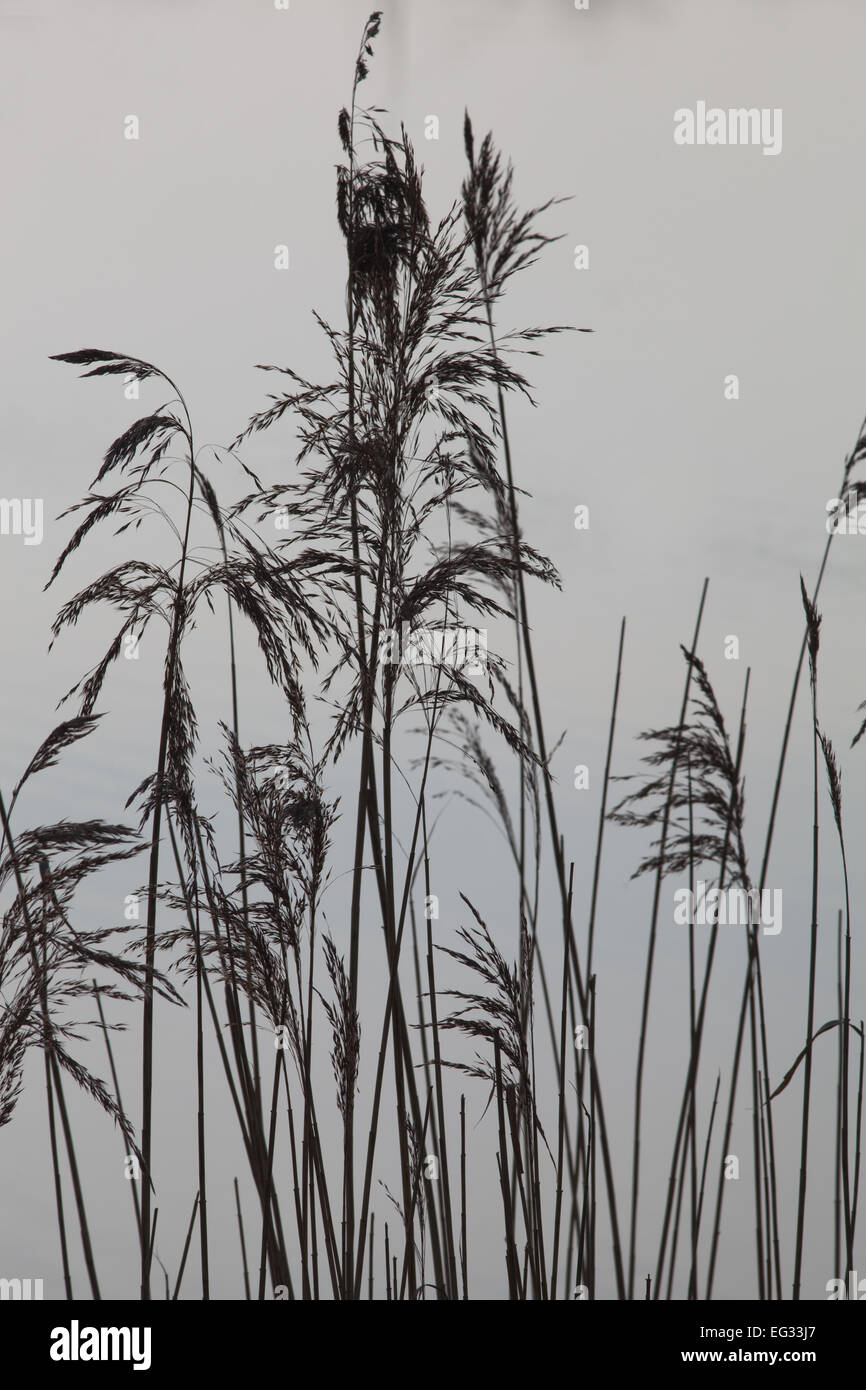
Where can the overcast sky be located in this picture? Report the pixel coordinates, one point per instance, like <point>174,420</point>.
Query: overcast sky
<point>704,262</point>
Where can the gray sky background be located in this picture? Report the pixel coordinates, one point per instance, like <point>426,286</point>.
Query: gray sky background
<point>703,262</point>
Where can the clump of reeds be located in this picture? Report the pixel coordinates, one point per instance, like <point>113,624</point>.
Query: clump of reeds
<point>403,514</point>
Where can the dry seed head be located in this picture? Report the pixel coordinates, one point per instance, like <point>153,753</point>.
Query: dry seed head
<point>813,624</point>
<point>834,778</point>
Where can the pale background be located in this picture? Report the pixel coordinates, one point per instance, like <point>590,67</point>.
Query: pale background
<point>703,262</point>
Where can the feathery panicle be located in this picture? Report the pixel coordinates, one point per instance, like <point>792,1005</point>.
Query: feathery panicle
<point>706,779</point>
<point>813,628</point>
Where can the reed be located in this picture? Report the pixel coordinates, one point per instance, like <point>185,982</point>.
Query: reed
<point>404,513</point>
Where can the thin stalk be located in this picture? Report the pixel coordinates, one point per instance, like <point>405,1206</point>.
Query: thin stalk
<point>185,1248</point>
<point>116,1085</point>
<point>48,1043</point>
<point>153,869</point>
<point>693,1276</point>
<point>810,1008</point>
<point>648,974</point>
<point>837,1165</point>
<point>437,1071</point>
<point>464,1260</point>
<point>502,1159</point>
<point>561,1119</point>
<point>243,1241</point>
<point>855,1190</point>
<point>694,1059</point>
<point>541,744</point>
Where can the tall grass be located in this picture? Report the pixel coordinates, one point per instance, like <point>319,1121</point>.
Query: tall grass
<point>402,515</point>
